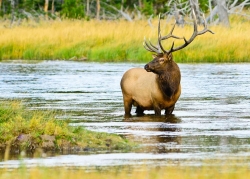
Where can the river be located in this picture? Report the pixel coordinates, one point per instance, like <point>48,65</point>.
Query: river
<point>211,119</point>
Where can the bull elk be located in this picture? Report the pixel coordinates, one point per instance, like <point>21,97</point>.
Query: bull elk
<point>161,88</point>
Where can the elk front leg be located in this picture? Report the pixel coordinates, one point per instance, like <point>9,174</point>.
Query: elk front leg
<point>169,110</point>
<point>157,110</point>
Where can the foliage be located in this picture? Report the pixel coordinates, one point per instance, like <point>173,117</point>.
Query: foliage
<point>73,9</point>
<point>17,121</point>
<point>148,8</point>
<point>17,10</point>
<point>226,169</point>
<point>121,41</point>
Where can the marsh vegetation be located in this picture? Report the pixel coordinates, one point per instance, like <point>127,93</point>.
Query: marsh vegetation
<point>120,41</point>
<point>22,129</point>
<point>210,169</point>
<point>86,115</point>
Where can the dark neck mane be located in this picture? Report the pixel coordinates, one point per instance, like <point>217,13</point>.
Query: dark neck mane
<point>169,82</point>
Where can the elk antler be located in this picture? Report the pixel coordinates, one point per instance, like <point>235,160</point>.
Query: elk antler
<point>195,34</point>
<point>152,48</point>
<point>159,50</point>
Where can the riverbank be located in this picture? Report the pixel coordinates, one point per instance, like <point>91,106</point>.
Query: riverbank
<point>209,169</point>
<point>120,41</point>
<point>22,129</point>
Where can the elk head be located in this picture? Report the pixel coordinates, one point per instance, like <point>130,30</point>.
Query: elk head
<point>163,58</point>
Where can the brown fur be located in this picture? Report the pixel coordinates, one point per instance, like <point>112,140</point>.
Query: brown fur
<point>152,91</point>
<point>161,88</point>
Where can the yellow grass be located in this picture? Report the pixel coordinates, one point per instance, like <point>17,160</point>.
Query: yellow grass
<point>120,41</point>
<point>172,172</point>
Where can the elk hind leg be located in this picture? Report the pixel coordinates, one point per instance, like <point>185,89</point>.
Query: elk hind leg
<point>139,111</point>
<point>127,106</point>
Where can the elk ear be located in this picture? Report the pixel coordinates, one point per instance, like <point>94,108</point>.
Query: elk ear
<point>170,56</point>
<point>154,55</point>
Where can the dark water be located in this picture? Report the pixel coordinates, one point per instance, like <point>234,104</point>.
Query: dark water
<point>211,119</point>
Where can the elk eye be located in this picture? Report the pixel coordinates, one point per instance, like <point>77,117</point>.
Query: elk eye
<point>161,60</point>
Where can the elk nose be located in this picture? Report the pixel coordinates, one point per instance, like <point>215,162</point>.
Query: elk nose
<point>146,67</point>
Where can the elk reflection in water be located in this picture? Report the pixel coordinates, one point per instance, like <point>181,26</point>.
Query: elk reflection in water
<point>160,134</point>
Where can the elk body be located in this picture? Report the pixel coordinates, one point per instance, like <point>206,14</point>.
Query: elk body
<point>156,87</point>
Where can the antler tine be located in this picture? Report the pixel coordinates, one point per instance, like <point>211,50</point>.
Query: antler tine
<point>150,47</point>
<point>171,34</point>
<point>159,35</point>
<point>172,47</point>
<point>147,48</point>
<point>195,33</point>
<point>157,48</point>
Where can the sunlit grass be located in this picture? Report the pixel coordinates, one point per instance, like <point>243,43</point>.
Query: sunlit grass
<point>227,171</point>
<point>18,121</point>
<point>120,41</point>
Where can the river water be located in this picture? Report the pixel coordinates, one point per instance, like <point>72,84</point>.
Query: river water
<point>211,119</point>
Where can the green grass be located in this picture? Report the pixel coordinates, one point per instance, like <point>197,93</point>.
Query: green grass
<point>119,41</point>
<point>228,170</point>
<point>16,120</point>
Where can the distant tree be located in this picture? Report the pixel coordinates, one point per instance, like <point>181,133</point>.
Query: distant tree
<point>1,6</point>
<point>46,7</point>
<point>12,5</point>
<point>98,7</point>
<point>140,3</point>
<point>217,10</point>
<point>196,7</point>
<point>223,8</point>
<point>73,9</point>
<point>147,7</point>
<point>87,7</point>
<point>223,12</point>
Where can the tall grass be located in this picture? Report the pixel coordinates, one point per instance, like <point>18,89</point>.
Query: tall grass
<point>120,41</point>
<point>16,121</point>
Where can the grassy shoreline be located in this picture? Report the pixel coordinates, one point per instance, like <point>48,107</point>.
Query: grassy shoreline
<point>228,170</point>
<point>120,41</point>
<point>22,129</point>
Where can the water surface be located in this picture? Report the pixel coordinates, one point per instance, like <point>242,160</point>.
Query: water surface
<point>211,119</point>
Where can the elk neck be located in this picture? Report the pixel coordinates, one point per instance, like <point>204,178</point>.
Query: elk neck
<point>169,79</point>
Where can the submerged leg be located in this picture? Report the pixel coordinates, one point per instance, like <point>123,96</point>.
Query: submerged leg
<point>139,111</point>
<point>157,111</point>
<point>169,110</point>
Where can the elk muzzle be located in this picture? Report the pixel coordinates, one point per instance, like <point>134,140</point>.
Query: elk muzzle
<point>147,68</point>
